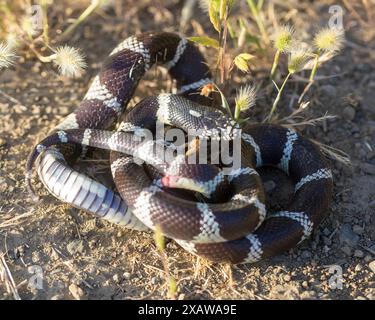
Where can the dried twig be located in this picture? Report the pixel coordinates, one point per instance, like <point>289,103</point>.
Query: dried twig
<point>15,220</point>
<point>11,99</point>
<point>7,278</point>
<point>334,153</point>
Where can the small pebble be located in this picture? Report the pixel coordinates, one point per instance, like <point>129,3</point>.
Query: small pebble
<point>75,246</point>
<point>346,250</point>
<point>116,278</point>
<point>348,113</point>
<point>348,236</point>
<point>2,141</point>
<point>76,291</point>
<point>328,90</point>
<point>358,229</point>
<point>181,296</point>
<point>306,254</point>
<point>372,266</point>
<point>127,275</point>
<point>35,257</point>
<point>358,268</point>
<point>119,234</point>
<point>154,280</point>
<point>287,278</point>
<point>359,254</point>
<point>54,255</point>
<point>269,185</point>
<point>368,168</point>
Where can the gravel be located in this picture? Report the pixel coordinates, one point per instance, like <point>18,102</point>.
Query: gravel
<point>75,247</point>
<point>348,113</point>
<point>76,291</point>
<point>372,266</point>
<point>347,236</point>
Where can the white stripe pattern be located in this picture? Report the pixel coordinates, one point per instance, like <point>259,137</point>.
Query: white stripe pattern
<point>256,251</point>
<point>114,142</point>
<point>142,206</point>
<point>163,110</point>
<point>319,174</point>
<point>134,45</point>
<point>291,137</point>
<point>207,187</point>
<point>179,52</point>
<point>127,127</point>
<point>98,91</point>
<point>187,245</point>
<point>241,171</point>
<point>302,218</point>
<point>40,148</point>
<point>70,122</point>
<point>195,114</point>
<point>253,200</point>
<point>195,85</point>
<point>117,164</point>
<point>86,137</point>
<point>249,139</point>
<point>209,227</point>
<point>62,136</point>
<point>211,185</point>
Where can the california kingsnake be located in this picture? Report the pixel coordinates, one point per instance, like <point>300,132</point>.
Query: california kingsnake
<point>231,227</point>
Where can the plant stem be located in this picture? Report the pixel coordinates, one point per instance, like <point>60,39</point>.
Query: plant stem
<point>88,11</point>
<point>255,10</point>
<point>275,103</point>
<point>237,113</point>
<point>275,63</point>
<point>45,23</point>
<point>315,67</point>
<point>39,56</point>
<point>160,245</point>
<point>222,41</point>
<point>311,79</point>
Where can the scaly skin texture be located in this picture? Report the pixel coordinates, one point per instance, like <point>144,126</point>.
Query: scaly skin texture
<point>235,229</point>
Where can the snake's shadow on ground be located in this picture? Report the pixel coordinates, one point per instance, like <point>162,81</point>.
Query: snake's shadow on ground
<point>279,188</point>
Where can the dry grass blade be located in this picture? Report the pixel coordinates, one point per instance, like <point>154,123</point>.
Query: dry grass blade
<point>308,122</point>
<point>7,278</point>
<point>334,153</point>
<point>15,220</point>
<point>12,99</point>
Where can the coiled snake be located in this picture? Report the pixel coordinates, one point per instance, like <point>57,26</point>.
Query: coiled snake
<point>222,217</point>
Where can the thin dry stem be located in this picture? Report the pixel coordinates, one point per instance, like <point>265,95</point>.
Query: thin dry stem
<point>7,278</point>
<point>334,153</point>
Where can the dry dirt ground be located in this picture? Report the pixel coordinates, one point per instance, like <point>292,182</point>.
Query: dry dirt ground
<point>79,256</point>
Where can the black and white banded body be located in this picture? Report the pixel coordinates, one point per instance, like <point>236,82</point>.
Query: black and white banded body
<point>235,229</point>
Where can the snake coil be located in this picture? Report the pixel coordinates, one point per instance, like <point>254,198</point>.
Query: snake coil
<point>230,223</point>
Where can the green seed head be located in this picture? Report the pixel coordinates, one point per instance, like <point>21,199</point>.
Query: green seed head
<point>283,38</point>
<point>7,55</point>
<point>329,40</point>
<point>298,57</point>
<point>245,97</point>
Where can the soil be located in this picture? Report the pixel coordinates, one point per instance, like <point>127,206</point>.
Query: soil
<point>79,256</point>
